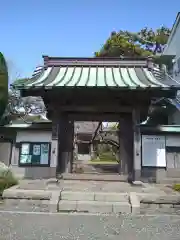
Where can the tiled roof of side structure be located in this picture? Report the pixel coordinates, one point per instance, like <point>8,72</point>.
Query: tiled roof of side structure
<point>85,127</point>
<point>95,72</point>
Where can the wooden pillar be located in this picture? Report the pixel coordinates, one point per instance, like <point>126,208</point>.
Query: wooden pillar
<point>126,145</point>
<point>70,146</point>
<point>122,163</point>
<point>65,144</point>
<point>137,145</point>
<point>54,142</point>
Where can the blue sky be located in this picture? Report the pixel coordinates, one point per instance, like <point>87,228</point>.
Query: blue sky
<point>32,28</point>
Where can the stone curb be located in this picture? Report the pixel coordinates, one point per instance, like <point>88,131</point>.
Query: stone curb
<point>111,197</point>
<point>94,207</point>
<point>94,196</point>
<point>94,177</point>
<point>15,193</point>
<point>159,199</point>
<point>135,203</point>
<point>54,201</point>
<point>51,198</point>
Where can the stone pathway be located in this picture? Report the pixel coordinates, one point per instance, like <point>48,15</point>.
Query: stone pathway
<point>95,186</point>
<point>91,196</point>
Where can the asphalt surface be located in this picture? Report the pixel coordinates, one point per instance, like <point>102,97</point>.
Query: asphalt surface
<point>45,226</point>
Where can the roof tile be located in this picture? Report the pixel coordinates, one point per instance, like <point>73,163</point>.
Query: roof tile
<point>99,73</point>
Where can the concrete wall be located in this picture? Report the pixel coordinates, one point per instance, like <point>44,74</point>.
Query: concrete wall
<point>173,157</point>
<point>172,169</point>
<point>38,172</point>
<point>33,136</point>
<point>5,152</point>
<point>147,173</point>
<point>33,172</point>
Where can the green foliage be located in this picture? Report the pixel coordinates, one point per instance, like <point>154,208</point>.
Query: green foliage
<point>146,42</point>
<point>115,126</point>
<point>107,157</point>
<point>176,187</point>
<point>3,84</point>
<point>7,180</point>
<point>20,81</point>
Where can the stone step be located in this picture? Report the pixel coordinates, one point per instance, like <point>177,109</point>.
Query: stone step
<point>94,207</point>
<point>170,180</point>
<point>94,196</point>
<point>95,177</point>
<point>25,205</point>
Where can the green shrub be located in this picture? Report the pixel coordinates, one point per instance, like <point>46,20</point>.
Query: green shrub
<point>176,187</point>
<point>7,180</point>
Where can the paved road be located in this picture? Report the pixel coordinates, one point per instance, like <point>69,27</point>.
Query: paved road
<point>44,226</point>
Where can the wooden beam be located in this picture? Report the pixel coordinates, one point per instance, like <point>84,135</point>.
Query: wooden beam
<point>97,117</point>
<point>94,109</point>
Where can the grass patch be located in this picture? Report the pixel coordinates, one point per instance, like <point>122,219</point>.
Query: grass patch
<point>104,158</point>
<point>99,162</point>
<point>176,187</point>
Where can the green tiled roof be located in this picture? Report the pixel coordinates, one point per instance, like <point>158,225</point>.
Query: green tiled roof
<point>97,73</point>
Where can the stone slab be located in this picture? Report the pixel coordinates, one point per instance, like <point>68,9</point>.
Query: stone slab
<point>95,177</point>
<point>54,201</point>
<point>135,203</point>
<point>75,196</point>
<point>94,207</point>
<point>65,205</point>
<point>157,208</point>
<point>26,194</point>
<point>165,205</point>
<point>121,207</point>
<point>110,197</point>
<point>25,205</point>
<point>159,199</point>
<point>177,206</point>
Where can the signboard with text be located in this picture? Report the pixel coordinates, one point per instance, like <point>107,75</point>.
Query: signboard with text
<point>153,151</point>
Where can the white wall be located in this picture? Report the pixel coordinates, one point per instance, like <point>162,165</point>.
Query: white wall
<point>29,136</point>
<point>173,49</point>
<point>5,152</point>
<point>173,141</point>
<point>173,46</point>
<point>177,41</point>
<point>33,136</point>
<point>34,172</point>
<point>176,50</point>
<point>170,141</point>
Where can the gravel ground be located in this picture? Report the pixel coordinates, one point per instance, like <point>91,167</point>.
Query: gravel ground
<point>44,226</point>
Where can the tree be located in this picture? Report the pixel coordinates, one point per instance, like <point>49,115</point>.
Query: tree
<point>29,109</point>
<point>146,42</point>
<point>106,140</point>
<point>3,85</point>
